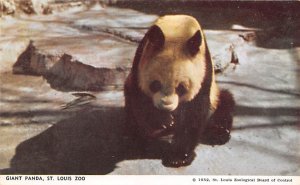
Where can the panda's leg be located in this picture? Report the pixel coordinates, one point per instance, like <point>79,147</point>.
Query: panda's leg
<point>189,124</point>
<point>181,153</point>
<point>219,126</point>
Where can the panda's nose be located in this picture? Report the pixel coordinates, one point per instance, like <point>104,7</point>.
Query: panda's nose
<point>166,101</point>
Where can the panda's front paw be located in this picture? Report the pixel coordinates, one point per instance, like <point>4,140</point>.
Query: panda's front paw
<point>216,135</point>
<point>176,160</point>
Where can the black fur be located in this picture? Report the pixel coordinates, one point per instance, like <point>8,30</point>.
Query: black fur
<point>194,43</point>
<point>217,131</point>
<point>156,37</point>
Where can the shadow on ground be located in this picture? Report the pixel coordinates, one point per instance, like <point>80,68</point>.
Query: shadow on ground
<point>90,143</point>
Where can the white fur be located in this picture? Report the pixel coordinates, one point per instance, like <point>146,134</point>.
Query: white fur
<point>165,102</point>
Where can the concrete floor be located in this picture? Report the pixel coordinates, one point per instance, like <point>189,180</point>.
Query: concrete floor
<point>38,136</point>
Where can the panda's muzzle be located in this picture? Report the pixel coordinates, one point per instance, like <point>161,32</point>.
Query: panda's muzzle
<point>168,106</point>
<point>167,103</point>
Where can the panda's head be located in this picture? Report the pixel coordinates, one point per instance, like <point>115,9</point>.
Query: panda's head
<point>172,64</point>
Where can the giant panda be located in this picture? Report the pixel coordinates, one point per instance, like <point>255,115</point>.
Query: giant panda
<point>171,90</point>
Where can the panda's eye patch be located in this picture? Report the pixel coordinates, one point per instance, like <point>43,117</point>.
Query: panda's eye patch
<point>181,90</point>
<point>155,86</point>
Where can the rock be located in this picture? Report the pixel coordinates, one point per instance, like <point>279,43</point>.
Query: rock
<point>81,71</point>
<point>26,6</point>
<point>227,57</point>
<point>7,7</point>
<point>248,37</point>
<point>42,6</point>
<point>70,74</point>
<point>10,7</point>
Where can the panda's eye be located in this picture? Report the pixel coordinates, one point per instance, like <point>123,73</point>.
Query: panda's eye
<point>181,90</point>
<point>155,86</point>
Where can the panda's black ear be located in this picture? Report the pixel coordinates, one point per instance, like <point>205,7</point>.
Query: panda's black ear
<point>194,43</point>
<point>156,37</point>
